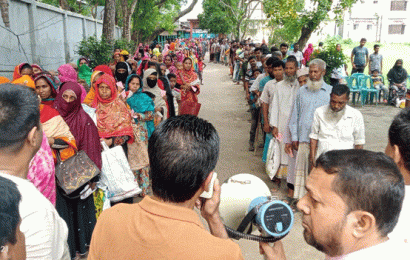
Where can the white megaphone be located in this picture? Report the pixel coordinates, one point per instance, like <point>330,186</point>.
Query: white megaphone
<point>246,202</point>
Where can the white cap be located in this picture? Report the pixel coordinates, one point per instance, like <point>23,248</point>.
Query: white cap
<point>302,72</point>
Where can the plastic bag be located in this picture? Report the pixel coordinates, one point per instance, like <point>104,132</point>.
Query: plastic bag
<point>116,174</point>
<point>273,158</point>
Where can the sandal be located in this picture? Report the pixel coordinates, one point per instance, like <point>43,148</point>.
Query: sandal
<point>276,185</point>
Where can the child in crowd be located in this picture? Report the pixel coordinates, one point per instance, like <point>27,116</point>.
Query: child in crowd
<point>175,92</point>
<point>253,97</point>
<point>378,84</point>
<point>179,65</point>
<point>201,67</point>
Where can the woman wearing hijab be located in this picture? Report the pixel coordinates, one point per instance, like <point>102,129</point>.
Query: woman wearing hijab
<point>150,84</point>
<point>307,54</point>
<point>57,131</point>
<point>121,72</point>
<point>21,70</point>
<point>163,84</point>
<point>36,69</point>
<point>188,82</point>
<point>143,109</point>
<point>397,77</point>
<point>98,71</point>
<point>84,71</point>
<point>114,121</point>
<point>79,214</point>
<point>66,73</point>
<point>170,65</point>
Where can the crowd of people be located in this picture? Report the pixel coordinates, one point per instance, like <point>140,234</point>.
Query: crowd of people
<point>148,105</point>
<point>120,104</point>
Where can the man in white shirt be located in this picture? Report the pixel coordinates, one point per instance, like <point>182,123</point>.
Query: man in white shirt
<point>297,53</point>
<point>352,203</point>
<point>336,126</point>
<point>20,138</point>
<point>398,149</point>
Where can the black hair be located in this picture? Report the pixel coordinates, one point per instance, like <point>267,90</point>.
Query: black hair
<point>294,61</point>
<point>399,134</point>
<point>367,181</point>
<point>273,49</point>
<point>183,150</point>
<point>152,63</point>
<point>158,68</point>
<point>260,71</point>
<point>9,211</point>
<point>320,43</point>
<point>26,66</point>
<point>363,39</point>
<point>253,57</point>
<point>171,76</point>
<point>150,94</point>
<point>19,113</point>
<point>291,57</point>
<point>257,49</point>
<point>376,70</point>
<point>375,46</point>
<point>340,89</point>
<point>133,76</point>
<point>284,45</point>
<point>187,58</point>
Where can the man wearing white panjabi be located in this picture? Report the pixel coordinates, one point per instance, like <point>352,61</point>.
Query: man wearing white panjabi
<point>283,97</point>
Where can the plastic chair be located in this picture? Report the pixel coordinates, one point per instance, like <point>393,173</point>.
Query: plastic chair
<point>354,88</point>
<point>365,90</point>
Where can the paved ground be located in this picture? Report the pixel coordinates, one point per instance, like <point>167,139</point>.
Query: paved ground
<point>224,106</point>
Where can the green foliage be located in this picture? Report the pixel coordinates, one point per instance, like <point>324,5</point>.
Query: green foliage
<point>123,44</point>
<point>215,18</point>
<point>334,59</point>
<point>74,6</point>
<point>97,51</point>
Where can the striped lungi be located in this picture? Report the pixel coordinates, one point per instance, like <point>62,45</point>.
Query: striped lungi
<point>302,170</point>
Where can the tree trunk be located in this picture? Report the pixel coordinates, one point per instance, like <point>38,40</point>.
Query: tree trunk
<point>305,36</point>
<point>127,12</point>
<point>4,8</point>
<point>109,21</point>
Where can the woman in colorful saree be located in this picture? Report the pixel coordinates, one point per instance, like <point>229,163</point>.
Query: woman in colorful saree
<point>188,82</point>
<point>78,213</point>
<point>114,121</point>
<point>66,73</point>
<point>57,131</point>
<point>98,71</point>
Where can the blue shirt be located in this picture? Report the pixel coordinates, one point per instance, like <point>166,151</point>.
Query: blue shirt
<point>303,111</point>
<point>263,82</point>
<point>360,54</point>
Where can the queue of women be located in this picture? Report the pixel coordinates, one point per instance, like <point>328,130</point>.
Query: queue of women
<point>119,104</point>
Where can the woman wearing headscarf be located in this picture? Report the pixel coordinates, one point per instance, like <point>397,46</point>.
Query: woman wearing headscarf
<point>84,71</point>
<point>21,70</point>
<point>163,84</point>
<point>66,73</point>
<point>397,77</point>
<point>170,65</point>
<point>79,214</point>
<point>114,121</point>
<point>36,69</point>
<point>166,50</point>
<point>150,84</point>
<point>307,54</point>
<point>142,110</point>
<point>188,82</point>
<point>98,71</point>
<point>57,131</point>
<point>121,72</point>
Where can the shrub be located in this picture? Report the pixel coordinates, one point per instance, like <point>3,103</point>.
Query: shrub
<point>97,51</point>
<point>123,44</point>
<point>333,58</point>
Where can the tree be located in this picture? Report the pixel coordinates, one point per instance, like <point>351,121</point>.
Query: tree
<point>4,8</point>
<point>152,18</point>
<point>292,17</point>
<point>109,21</point>
<point>214,18</point>
<point>238,12</point>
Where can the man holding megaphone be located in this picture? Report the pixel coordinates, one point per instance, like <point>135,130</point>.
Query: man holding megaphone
<point>353,201</point>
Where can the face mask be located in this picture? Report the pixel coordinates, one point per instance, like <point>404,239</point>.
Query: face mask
<point>151,82</point>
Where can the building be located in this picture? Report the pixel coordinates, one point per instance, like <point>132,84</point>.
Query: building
<point>375,20</point>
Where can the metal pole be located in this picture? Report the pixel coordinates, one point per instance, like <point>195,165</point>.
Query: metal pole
<point>66,45</point>
<point>32,14</point>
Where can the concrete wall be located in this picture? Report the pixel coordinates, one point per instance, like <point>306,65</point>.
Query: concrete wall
<point>43,34</point>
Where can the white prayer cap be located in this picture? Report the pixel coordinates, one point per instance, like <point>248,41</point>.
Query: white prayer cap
<point>302,72</point>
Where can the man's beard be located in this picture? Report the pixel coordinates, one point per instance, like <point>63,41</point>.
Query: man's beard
<point>289,78</point>
<point>333,245</point>
<point>314,85</point>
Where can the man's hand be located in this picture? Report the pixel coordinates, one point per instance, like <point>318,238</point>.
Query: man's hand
<point>275,132</point>
<point>295,145</point>
<point>248,96</point>
<point>266,128</point>
<point>277,252</point>
<point>312,159</point>
<point>288,148</point>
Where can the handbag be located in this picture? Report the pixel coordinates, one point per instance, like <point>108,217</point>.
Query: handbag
<point>189,108</point>
<point>116,174</point>
<point>75,172</point>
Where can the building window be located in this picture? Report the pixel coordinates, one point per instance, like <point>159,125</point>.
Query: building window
<point>396,28</point>
<point>397,5</point>
<point>355,26</point>
<point>369,27</point>
<point>375,2</point>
